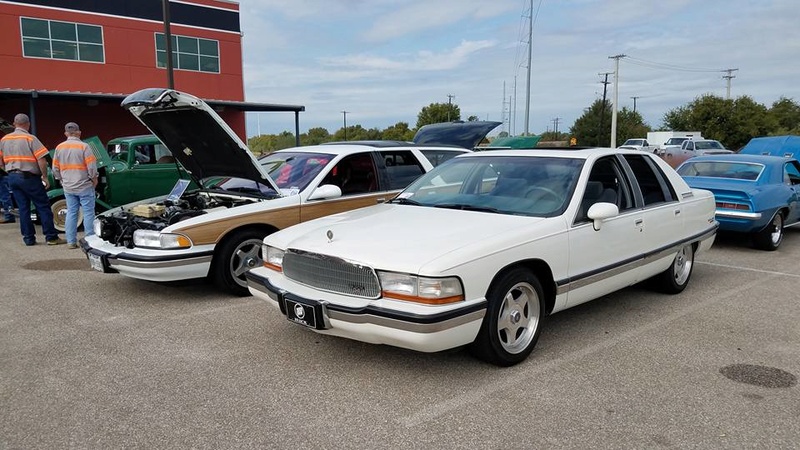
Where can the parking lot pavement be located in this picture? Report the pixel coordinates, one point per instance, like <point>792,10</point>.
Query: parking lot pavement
<point>91,360</point>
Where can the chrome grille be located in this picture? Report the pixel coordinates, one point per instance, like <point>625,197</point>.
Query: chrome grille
<point>331,274</point>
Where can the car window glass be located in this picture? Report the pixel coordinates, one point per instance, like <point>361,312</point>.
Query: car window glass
<point>437,157</point>
<point>721,169</point>
<point>144,154</point>
<point>118,152</point>
<point>791,173</point>
<point>651,181</point>
<point>402,167</point>
<point>354,174</point>
<point>605,184</point>
<point>163,155</point>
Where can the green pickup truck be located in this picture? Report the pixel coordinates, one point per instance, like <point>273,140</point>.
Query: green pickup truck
<point>131,168</point>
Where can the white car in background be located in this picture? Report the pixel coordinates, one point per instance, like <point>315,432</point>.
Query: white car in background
<point>694,147</point>
<point>639,144</point>
<point>482,249</point>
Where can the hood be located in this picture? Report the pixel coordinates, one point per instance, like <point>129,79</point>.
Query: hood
<point>195,135</point>
<point>461,134</point>
<point>100,153</point>
<point>403,237</point>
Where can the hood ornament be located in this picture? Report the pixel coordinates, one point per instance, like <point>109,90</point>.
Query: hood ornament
<point>330,235</point>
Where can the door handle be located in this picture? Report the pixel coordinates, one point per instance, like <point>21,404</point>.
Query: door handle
<point>677,212</point>
<point>638,222</point>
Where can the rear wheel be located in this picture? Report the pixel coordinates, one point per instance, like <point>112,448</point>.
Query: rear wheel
<point>771,236</point>
<point>675,279</point>
<point>234,257</point>
<point>513,319</point>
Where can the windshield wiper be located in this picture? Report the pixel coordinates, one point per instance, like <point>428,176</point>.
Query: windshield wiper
<point>466,207</point>
<point>405,201</point>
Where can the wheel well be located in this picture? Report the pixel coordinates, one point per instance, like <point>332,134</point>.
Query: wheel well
<point>543,272</point>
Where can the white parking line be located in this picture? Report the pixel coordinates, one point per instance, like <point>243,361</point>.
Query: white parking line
<point>750,269</point>
<point>518,379</point>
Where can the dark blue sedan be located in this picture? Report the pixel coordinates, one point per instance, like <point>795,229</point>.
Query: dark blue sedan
<point>755,194</point>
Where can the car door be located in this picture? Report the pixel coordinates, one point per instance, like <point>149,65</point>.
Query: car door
<point>791,177</point>
<point>604,260</point>
<point>358,178</point>
<point>662,222</point>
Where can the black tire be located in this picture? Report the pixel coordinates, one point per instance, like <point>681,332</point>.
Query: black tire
<point>233,257</point>
<point>513,321</point>
<point>675,279</point>
<point>771,236</point>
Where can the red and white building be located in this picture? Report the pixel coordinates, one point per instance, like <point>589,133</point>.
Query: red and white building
<point>75,60</point>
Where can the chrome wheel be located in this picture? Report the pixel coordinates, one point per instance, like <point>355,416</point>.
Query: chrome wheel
<point>777,230</point>
<point>518,318</point>
<point>682,265</point>
<point>246,256</point>
<point>771,236</point>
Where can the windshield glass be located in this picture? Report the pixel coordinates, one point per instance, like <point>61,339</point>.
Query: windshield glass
<point>721,169</point>
<point>118,152</point>
<point>239,185</point>
<point>707,145</point>
<point>294,170</point>
<point>634,142</point>
<point>675,141</point>
<point>519,185</point>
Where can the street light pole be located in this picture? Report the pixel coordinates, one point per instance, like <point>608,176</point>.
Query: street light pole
<point>344,117</point>
<point>616,59</point>
<point>168,44</point>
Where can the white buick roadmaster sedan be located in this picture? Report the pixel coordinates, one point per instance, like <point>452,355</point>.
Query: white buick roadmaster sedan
<point>481,249</point>
<point>216,231</point>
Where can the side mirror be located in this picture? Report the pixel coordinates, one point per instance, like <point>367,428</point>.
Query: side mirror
<point>600,212</point>
<point>326,191</point>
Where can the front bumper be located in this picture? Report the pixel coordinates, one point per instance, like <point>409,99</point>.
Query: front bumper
<point>158,265</point>
<point>439,330</point>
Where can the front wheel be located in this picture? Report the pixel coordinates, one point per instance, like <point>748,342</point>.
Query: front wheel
<point>235,256</point>
<point>675,279</point>
<point>513,320</point>
<point>771,236</point>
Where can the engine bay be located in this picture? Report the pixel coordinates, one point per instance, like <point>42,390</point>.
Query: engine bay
<point>118,227</point>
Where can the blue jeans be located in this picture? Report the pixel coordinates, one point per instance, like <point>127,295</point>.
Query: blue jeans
<point>27,190</point>
<point>85,201</point>
<point>5,198</point>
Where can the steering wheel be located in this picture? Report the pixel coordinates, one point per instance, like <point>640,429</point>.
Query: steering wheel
<point>541,193</point>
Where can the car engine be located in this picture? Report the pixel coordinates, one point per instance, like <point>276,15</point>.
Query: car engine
<point>118,227</point>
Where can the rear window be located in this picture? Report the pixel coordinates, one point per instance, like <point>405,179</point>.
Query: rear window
<point>721,169</point>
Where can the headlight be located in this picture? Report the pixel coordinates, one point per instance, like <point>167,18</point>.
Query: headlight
<point>97,225</point>
<point>431,291</point>
<point>273,257</point>
<point>155,239</point>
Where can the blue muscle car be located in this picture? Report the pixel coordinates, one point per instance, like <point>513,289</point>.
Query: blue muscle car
<point>755,194</point>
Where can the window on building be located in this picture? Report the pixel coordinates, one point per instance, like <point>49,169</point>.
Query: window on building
<point>61,40</point>
<point>189,53</point>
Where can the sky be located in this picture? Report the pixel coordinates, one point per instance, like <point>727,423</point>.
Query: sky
<point>382,61</point>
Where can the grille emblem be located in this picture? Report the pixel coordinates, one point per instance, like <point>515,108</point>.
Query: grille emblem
<point>299,311</point>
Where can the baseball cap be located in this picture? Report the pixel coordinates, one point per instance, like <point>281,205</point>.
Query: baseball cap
<point>72,127</point>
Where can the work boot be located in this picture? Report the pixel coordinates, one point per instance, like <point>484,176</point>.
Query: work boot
<point>56,241</point>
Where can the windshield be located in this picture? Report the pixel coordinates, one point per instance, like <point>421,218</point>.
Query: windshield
<point>707,145</point>
<point>634,142</point>
<point>240,185</point>
<point>118,152</point>
<point>294,170</point>
<point>721,169</point>
<point>519,185</point>
<point>675,141</point>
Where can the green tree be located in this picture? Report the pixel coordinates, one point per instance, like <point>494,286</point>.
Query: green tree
<point>315,136</point>
<point>786,113</point>
<point>588,130</point>
<point>398,132</point>
<point>732,122</point>
<point>438,112</point>
<point>472,119</point>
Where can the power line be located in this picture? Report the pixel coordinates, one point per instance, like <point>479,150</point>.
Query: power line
<point>658,65</point>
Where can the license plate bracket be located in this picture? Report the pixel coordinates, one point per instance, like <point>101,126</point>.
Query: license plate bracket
<point>304,312</point>
<point>97,262</point>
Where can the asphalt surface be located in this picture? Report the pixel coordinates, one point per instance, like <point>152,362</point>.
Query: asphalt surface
<point>91,360</point>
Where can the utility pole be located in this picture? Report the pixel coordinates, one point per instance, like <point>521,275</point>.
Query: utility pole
<point>634,103</point>
<point>514,110</point>
<point>344,117</point>
<point>450,98</point>
<point>555,125</point>
<point>616,59</point>
<point>603,109</point>
<point>728,79</point>
<point>503,111</point>
<point>528,92</point>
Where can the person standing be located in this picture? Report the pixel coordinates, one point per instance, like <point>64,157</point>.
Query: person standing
<point>75,166</point>
<point>22,157</point>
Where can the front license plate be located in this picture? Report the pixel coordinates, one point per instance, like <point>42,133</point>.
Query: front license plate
<point>301,313</point>
<point>96,262</point>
